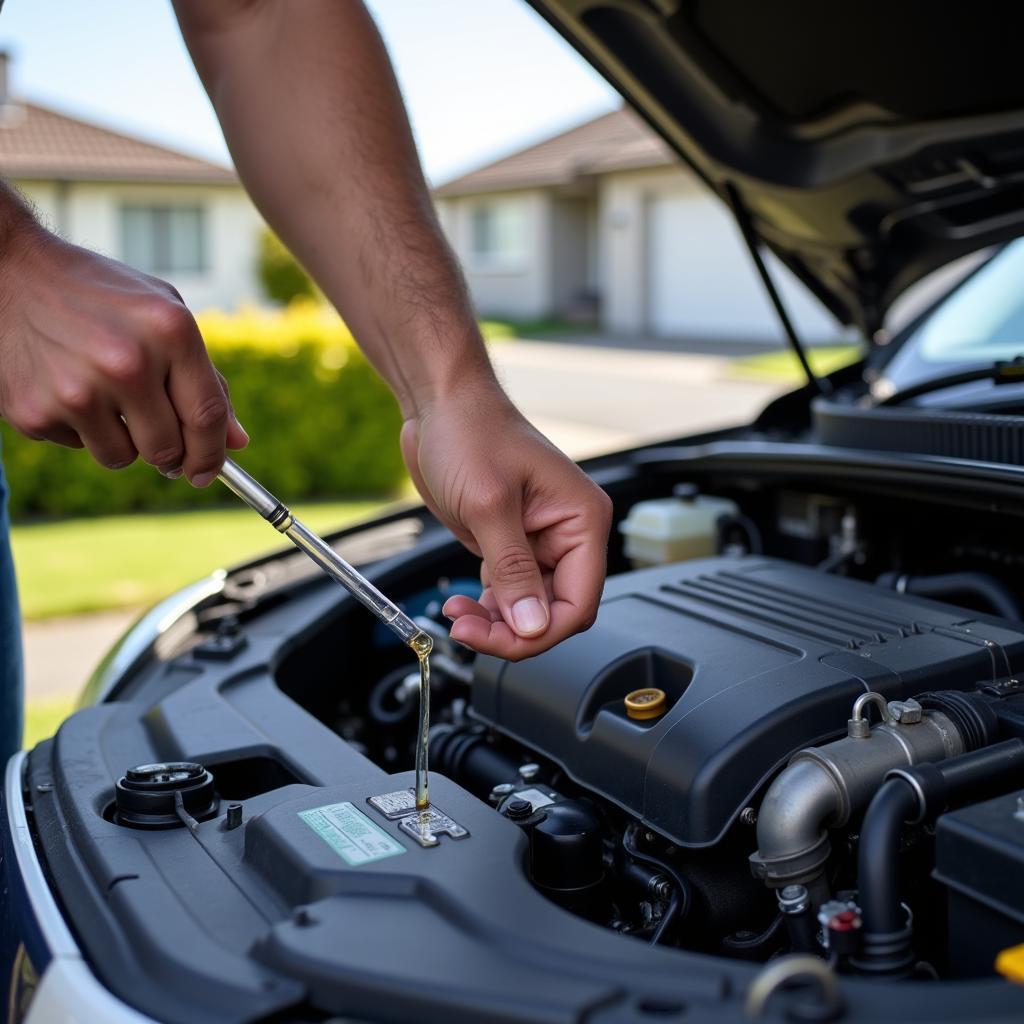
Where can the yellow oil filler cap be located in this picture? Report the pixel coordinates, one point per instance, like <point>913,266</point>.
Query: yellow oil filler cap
<point>646,703</point>
<point>1010,964</point>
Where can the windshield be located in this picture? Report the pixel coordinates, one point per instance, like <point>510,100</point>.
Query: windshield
<point>980,322</point>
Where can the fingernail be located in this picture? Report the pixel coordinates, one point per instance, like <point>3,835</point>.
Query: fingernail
<point>203,479</point>
<point>245,433</point>
<point>173,474</point>
<point>445,612</point>
<point>529,616</point>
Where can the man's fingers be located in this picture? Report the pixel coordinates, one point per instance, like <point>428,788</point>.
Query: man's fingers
<point>62,435</point>
<point>156,433</point>
<point>237,435</point>
<point>459,604</point>
<point>579,574</point>
<point>513,573</point>
<point>202,409</point>
<point>107,439</point>
<point>490,636</point>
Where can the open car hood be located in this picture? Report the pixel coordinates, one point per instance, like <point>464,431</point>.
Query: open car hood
<point>869,143</point>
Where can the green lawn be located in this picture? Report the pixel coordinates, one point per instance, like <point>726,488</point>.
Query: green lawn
<point>783,366</point>
<point>546,327</point>
<point>83,565</point>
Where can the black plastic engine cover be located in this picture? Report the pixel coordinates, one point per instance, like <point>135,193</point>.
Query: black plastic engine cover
<point>758,658</point>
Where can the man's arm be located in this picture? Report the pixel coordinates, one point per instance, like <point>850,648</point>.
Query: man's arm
<point>95,354</point>
<point>315,123</point>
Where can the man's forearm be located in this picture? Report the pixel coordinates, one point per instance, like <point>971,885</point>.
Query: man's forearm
<point>17,220</point>
<point>316,125</point>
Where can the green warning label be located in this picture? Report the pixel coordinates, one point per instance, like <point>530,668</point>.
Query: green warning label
<point>351,834</point>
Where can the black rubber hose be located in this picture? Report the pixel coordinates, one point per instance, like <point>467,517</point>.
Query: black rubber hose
<point>916,794</point>
<point>383,707</point>
<point>755,543</point>
<point>990,591</point>
<point>755,942</point>
<point>467,757</point>
<point>982,772</point>
<point>681,899</point>
<point>878,855</point>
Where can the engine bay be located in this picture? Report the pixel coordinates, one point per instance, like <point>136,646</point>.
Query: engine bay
<point>792,742</point>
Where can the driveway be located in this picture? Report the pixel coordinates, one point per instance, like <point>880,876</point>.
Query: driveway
<point>587,399</point>
<point>590,399</point>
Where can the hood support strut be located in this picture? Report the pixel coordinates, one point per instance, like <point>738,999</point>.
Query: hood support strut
<point>820,385</point>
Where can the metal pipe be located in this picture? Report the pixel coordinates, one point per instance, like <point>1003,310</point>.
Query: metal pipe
<point>823,787</point>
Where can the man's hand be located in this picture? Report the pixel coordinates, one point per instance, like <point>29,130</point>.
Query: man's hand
<point>539,523</point>
<point>98,355</point>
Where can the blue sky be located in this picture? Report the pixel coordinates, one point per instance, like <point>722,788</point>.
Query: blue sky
<point>481,77</point>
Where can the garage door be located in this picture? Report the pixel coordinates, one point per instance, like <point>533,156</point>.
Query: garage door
<point>701,283</point>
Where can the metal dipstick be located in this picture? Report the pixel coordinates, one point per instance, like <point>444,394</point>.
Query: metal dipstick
<point>260,500</point>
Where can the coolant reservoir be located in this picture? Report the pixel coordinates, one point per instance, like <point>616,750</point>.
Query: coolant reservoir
<point>674,529</point>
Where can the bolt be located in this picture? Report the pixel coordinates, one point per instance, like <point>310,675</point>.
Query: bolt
<point>528,772</point>
<point>233,817</point>
<point>518,809</point>
<point>748,816</point>
<point>501,791</point>
<point>302,917</point>
<point>649,837</point>
<point>906,712</point>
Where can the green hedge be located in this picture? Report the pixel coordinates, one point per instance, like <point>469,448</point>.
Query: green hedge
<point>280,273</point>
<point>322,425</point>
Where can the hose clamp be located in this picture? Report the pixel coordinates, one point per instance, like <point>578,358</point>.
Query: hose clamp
<point>915,784</point>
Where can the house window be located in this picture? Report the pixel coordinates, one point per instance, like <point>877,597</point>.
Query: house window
<point>164,239</point>
<point>498,233</point>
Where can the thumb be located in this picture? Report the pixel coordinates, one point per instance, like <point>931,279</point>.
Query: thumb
<point>515,578</point>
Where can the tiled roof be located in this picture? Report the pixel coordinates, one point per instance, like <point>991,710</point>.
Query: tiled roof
<point>613,142</point>
<point>39,143</point>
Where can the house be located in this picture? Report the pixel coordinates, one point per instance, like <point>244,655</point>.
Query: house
<point>603,221</point>
<point>179,218</point>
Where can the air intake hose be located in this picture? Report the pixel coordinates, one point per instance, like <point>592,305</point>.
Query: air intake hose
<point>985,589</point>
<point>915,795</point>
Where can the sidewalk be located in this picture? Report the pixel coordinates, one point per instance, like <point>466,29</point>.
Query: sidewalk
<point>588,399</point>
<point>60,654</point>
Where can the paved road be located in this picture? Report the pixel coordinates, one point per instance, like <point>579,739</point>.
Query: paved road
<point>587,400</point>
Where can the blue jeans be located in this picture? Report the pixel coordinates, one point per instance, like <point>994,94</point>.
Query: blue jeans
<point>11,692</point>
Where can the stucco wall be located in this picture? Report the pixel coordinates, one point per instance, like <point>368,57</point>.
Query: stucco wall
<point>522,289</point>
<point>705,259</point>
<point>88,214</point>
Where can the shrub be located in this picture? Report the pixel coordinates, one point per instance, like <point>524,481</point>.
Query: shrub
<point>322,424</point>
<point>280,273</point>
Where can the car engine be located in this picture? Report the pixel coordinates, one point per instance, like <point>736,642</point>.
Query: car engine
<point>752,663</point>
<point>789,751</point>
